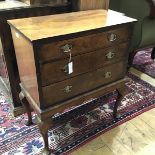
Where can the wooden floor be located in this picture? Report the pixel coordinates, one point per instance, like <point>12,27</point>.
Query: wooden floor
<point>135,137</point>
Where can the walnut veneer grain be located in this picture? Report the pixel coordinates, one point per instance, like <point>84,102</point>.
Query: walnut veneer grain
<point>71,22</point>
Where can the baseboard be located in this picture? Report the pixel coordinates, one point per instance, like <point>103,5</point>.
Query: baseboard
<point>7,87</point>
<point>143,76</point>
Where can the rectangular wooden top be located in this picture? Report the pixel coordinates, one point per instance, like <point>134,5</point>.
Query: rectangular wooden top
<point>37,28</point>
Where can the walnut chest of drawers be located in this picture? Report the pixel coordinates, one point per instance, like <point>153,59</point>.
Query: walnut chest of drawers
<point>65,60</point>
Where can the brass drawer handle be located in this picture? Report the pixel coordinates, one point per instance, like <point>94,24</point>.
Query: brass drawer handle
<point>67,89</point>
<point>110,55</point>
<point>68,68</point>
<point>108,75</point>
<point>112,37</point>
<point>66,48</point>
<point>65,69</point>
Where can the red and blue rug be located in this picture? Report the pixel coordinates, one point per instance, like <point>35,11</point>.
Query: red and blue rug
<point>18,139</point>
<point>143,62</point>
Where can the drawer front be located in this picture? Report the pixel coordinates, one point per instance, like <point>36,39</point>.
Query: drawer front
<point>72,87</point>
<point>58,70</point>
<point>62,49</point>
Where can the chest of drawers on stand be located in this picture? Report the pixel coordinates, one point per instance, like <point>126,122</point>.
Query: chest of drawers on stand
<point>65,60</point>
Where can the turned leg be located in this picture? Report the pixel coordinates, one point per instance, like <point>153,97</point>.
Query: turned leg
<point>121,93</point>
<point>153,54</point>
<point>44,127</point>
<point>27,108</point>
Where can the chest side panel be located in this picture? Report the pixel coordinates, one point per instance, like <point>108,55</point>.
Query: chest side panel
<point>26,64</point>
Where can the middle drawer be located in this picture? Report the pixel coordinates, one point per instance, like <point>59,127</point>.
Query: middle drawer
<point>56,71</point>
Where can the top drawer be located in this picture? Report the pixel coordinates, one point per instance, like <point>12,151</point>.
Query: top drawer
<point>62,49</point>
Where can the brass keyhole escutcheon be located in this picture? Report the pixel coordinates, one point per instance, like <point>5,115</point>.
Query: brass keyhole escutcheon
<point>108,75</point>
<point>66,48</point>
<point>65,69</point>
<point>112,37</point>
<point>110,55</point>
<point>68,89</point>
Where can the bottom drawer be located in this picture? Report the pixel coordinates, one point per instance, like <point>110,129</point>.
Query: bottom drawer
<point>72,87</point>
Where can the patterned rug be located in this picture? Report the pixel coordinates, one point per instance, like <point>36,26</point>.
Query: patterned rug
<point>18,139</point>
<point>143,62</point>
